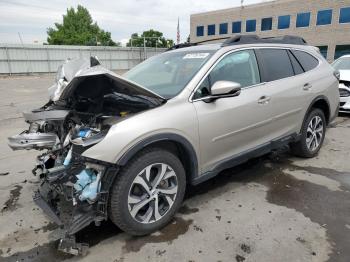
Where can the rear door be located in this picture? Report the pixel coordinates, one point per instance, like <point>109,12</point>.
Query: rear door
<point>284,89</point>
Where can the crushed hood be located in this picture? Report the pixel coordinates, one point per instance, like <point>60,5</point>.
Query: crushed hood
<point>73,72</point>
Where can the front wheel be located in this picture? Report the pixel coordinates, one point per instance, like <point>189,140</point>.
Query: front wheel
<point>312,135</point>
<point>147,192</point>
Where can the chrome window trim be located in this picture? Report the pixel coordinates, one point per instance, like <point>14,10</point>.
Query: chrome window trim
<point>249,48</point>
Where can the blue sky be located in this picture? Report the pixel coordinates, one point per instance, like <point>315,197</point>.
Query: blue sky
<point>31,18</point>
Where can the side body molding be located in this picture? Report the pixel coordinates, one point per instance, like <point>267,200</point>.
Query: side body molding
<point>164,137</point>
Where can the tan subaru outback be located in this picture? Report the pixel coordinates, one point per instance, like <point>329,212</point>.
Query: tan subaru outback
<point>125,148</point>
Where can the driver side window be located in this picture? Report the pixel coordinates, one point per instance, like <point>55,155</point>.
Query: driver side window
<point>240,67</point>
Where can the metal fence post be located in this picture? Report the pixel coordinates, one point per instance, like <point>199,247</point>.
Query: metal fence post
<point>8,60</point>
<point>144,48</point>
<point>48,59</point>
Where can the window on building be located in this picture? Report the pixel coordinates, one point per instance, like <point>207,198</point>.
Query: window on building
<point>276,64</point>
<point>324,17</point>
<point>200,30</point>
<point>211,29</point>
<point>307,61</point>
<point>223,28</point>
<point>341,50</point>
<point>283,22</point>
<point>240,67</point>
<point>323,50</point>
<point>266,24</point>
<point>344,16</point>
<point>236,27</point>
<point>303,19</point>
<point>251,25</point>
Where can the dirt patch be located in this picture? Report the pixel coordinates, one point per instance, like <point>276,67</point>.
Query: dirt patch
<point>11,203</point>
<point>245,248</point>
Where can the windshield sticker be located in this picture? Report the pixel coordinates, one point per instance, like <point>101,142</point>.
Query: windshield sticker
<point>196,56</point>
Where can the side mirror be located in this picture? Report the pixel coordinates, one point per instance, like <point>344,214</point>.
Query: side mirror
<point>222,89</point>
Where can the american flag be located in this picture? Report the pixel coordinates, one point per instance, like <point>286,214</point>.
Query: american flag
<point>178,31</point>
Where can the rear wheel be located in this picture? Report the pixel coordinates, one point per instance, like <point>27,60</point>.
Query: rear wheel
<point>147,192</point>
<point>312,135</point>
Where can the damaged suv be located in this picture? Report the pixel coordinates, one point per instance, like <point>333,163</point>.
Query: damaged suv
<point>125,148</point>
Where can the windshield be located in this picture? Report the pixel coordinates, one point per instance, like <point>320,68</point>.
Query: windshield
<point>168,74</point>
<point>342,63</point>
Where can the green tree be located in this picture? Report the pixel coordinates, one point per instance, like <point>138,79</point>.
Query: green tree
<point>153,38</point>
<point>78,28</point>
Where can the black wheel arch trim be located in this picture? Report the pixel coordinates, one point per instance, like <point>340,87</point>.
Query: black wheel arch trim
<point>171,137</point>
<point>314,101</point>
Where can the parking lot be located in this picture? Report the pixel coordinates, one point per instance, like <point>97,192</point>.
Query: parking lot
<point>270,209</point>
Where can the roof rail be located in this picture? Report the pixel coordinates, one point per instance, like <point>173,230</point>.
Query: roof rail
<point>254,39</point>
<point>181,46</point>
<point>194,44</point>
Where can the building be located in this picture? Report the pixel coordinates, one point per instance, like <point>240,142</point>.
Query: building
<point>325,24</point>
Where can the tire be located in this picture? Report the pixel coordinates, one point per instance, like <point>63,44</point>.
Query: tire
<point>303,148</point>
<point>127,190</point>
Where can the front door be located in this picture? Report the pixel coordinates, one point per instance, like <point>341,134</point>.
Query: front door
<point>229,126</point>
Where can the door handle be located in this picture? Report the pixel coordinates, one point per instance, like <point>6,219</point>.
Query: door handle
<point>264,100</point>
<point>307,86</point>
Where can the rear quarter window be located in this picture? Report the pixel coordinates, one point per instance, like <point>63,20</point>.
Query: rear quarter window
<point>307,61</point>
<point>296,65</point>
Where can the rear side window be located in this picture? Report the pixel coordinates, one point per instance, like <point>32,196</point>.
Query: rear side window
<point>275,64</point>
<point>307,61</point>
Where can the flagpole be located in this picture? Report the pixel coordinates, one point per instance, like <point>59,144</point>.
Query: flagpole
<point>178,31</point>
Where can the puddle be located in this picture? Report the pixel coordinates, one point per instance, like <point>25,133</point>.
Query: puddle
<point>43,253</point>
<point>94,234</point>
<point>11,203</point>
<point>327,208</point>
<point>48,252</point>
<point>178,227</point>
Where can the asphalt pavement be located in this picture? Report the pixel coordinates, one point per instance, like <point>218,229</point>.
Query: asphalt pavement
<point>269,209</point>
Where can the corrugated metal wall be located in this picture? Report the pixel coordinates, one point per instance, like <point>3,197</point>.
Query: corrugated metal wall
<point>27,59</point>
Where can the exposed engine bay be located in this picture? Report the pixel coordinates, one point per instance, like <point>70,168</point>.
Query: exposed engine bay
<point>85,101</point>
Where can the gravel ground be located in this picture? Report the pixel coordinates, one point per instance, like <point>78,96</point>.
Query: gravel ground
<point>281,209</point>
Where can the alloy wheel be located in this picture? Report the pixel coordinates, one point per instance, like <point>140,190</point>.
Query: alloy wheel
<point>152,193</point>
<point>314,133</point>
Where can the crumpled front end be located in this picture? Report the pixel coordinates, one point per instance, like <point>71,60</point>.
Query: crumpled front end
<point>74,190</point>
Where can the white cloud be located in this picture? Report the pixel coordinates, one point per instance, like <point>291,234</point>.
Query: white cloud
<point>122,18</point>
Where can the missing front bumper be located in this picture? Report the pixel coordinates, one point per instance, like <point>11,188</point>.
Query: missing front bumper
<point>73,215</point>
